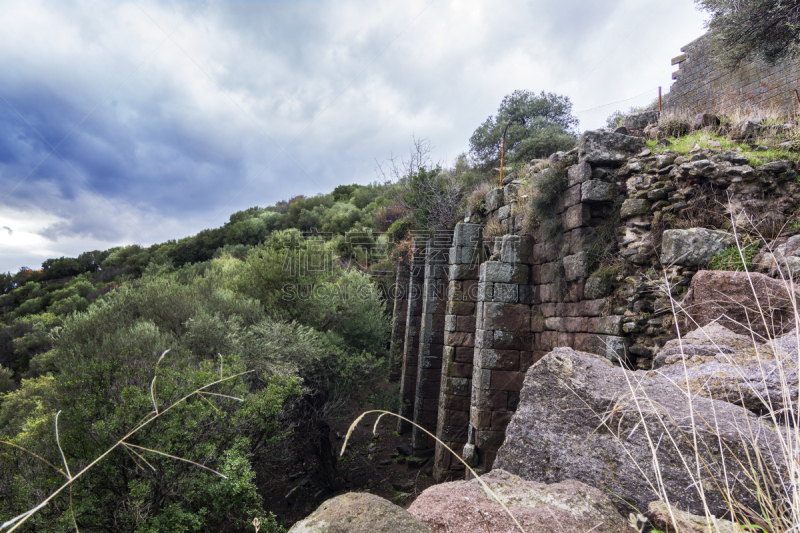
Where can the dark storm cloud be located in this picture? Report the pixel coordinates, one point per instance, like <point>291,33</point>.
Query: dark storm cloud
<point>164,137</point>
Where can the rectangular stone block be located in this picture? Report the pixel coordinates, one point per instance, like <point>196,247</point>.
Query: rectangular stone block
<point>592,307</point>
<point>459,338</point>
<point>467,234</point>
<point>489,439</point>
<point>579,173</point>
<point>504,340</point>
<point>566,338</point>
<point>494,200</point>
<point>555,323</point>
<point>526,294</point>
<point>460,308</point>
<point>507,380</point>
<point>458,370</point>
<point>480,419</point>
<point>458,386</point>
<point>572,196</point>
<point>505,292</point>
<point>537,323</point>
<point>486,399</point>
<point>464,354</point>
<point>484,338</point>
<point>485,291</point>
<point>516,249</point>
<point>454,291</point>
<point>580,238</point>
<point>610,325</point>
<point>577,216</point>
<point>506,316</point>
<point>463,271</point>
<point>469,290</point>
<point>496,271</point>
<point>481,378</point>
<point>465,323</point>
<point>498,359</point>
<point>576,266</point>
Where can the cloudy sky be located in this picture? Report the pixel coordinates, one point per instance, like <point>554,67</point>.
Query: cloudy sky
<point>137,122</point>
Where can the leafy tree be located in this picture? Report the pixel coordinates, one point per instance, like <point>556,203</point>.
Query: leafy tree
<point>539,125</point>
<point>769,29</point>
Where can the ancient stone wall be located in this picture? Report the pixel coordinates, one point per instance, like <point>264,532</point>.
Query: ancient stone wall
<point>701,85</point>
<point>620,243</point>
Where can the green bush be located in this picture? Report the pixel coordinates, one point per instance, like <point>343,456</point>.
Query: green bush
<point>546,189</point>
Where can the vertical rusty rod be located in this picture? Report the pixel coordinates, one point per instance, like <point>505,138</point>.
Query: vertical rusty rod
<point>502,153</point>
<point>659,99</point>
<point>797,96</point>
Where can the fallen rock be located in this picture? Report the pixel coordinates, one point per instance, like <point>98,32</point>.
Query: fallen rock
<point>729,298</point>
<point>581,418</point>
<point>639,121</point>
<point>745,128</point>
<point>566,507</point>
<point>716,363</point>
<point>606,148</point>
<point>666,520</point>
<point>703,120</point>
<point>694,247</point>
<point>359,512</point>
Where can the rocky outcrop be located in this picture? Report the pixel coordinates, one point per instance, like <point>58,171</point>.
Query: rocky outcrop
<point>716,363</point>
<point>742,302</point>
<point>359,512</point>
<point>606,148</point>
<point>566,507</point>
<point>582,418</point>
<point>674,520</point>
<point>694,247</point>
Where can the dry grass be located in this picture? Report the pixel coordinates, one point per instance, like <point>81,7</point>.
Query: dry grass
<point>777,491</point>
<point>477,196</point>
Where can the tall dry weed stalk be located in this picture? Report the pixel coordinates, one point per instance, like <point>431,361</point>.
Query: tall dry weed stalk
<point>774,475</point>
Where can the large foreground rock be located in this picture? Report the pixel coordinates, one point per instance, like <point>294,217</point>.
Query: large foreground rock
<point>566,507</point>
<point>359,512</point>
<point>606,148</point>
<point>582,418</point>
<point>694,247</point>
<point>717,363</point>
<point>742,302</point>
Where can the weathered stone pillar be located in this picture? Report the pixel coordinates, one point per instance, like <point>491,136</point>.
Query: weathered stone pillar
<point>408,378</point>
<point>431,340</point>
<point>503,347</point>
<point>399,318</point>
<point>459,341</point>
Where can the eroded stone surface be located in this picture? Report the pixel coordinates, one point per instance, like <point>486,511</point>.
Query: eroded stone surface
<point>359,512</point>
<point>694,247</point>
<point>579,418</point>
<point>566,507</point>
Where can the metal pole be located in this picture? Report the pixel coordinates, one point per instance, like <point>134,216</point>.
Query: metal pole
<point>502,152</point>
<point>797,96</point>
<point>659,99</point>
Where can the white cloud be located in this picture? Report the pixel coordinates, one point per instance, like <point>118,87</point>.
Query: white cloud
<point>188,123</point>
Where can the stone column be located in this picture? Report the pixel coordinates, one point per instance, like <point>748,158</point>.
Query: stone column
<point>503,348</point>
<point>408,378</point>
<point>399,318</point>
<point>431,340</point>
<point>459,341</point>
